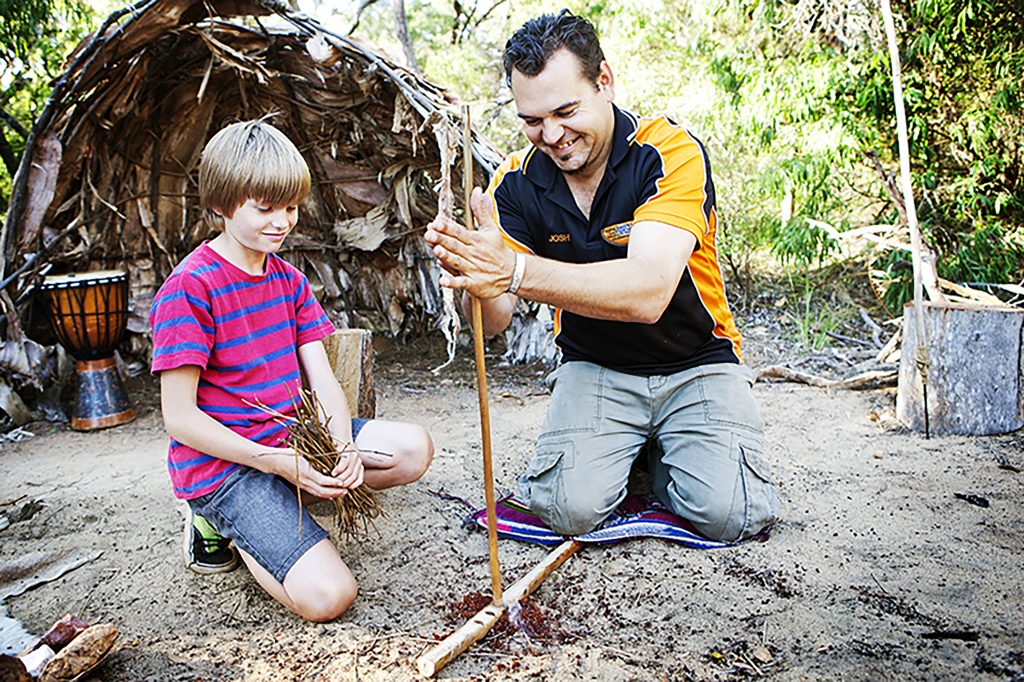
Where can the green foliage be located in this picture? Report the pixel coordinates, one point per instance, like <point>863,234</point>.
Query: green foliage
<point>892,277</point>
<point>803,243</point>
<point>35,38</point>
<point>963,69</point>
<point>987,254</point>
<point>19,22</point>
<point>811,325</point>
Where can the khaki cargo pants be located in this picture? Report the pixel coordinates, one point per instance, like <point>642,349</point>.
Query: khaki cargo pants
<point>701,427</point>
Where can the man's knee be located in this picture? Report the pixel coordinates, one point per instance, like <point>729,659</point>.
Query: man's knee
<point>574,516</point>
<point>729,516</point>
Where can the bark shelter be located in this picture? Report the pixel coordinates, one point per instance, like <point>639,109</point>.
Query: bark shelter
<point>109,178</point>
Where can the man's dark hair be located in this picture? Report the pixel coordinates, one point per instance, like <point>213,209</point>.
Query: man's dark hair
<point>529,48</point>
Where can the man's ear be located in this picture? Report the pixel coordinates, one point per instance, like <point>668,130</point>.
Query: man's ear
<point>606,81</point>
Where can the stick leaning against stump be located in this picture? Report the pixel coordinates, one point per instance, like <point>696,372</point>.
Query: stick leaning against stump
<point>430,662</point>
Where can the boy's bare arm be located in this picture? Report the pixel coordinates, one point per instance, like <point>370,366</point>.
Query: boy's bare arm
<point>189,425</point>
<point>321,379</point>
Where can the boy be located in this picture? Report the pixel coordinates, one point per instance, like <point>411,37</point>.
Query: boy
<point>233,326</point>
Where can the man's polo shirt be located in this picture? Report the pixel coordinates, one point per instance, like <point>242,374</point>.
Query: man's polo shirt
<point>656,171</point>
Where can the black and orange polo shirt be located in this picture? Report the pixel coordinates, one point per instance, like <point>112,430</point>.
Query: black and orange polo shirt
<point>656,171</point>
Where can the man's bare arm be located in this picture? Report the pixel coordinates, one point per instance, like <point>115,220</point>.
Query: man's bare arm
<point>637,288</point>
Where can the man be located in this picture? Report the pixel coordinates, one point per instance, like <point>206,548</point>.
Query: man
<point>611,220</point>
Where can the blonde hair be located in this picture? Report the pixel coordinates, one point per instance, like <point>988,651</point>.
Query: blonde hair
<point>249,160</point>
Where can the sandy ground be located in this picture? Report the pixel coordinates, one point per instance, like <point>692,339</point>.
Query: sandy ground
<point>877,570</point>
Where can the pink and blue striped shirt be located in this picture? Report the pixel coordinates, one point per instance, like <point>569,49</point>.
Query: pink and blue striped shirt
<point>243,332</point>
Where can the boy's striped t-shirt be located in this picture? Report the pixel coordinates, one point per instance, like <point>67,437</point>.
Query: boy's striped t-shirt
<point>243,332</point>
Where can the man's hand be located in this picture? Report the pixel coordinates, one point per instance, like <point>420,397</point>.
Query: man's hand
<point>477,261</point>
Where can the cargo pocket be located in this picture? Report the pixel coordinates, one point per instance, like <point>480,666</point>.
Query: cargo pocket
<point>762,499</point>
<point>541,486</point>
<point>576,401</point>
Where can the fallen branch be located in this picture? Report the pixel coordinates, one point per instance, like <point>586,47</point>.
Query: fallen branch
<point>867,380</point>
<point>972,294</point>
<point>849,339</point>
<point>890,350</point>
<point>876,331</point>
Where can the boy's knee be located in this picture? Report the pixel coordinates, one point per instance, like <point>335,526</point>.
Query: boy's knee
<point>416,454</point>
<point>422,452</point>
<point>326,602</point>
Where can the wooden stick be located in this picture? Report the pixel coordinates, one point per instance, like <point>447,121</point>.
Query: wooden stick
<point>865,380</point>
<point>481,372</point>
<point>923,276</point>
<point>479,625</point>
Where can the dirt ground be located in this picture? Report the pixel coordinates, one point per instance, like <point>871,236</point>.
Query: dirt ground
<point>877,570</point>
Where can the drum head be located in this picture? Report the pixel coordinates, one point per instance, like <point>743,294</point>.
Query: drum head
<point>72,279</point>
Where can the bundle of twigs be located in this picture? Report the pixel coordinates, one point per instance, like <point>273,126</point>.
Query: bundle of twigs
<point>309,435</point>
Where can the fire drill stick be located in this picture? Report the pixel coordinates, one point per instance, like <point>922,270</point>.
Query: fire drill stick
<point>481,371</point>
<point>445,651</point>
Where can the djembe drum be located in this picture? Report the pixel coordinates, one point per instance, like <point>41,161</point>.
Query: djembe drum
<point>89,313</point>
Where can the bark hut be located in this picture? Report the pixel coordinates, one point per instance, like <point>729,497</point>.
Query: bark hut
<point>109,177</point>
<point>976,373</point>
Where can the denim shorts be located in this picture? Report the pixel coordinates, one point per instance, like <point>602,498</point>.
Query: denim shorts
<point>259,512</point>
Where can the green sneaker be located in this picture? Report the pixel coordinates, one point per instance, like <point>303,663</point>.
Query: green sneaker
<point>204,549</point>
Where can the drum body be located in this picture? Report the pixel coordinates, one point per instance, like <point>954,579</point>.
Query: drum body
<point>88,311</point>
<point>89,314</point>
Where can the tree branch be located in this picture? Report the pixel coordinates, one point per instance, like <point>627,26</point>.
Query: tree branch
<point>402,31</point>
<point>7,154</point>
<point>14,124</point>
<point>359,14</point>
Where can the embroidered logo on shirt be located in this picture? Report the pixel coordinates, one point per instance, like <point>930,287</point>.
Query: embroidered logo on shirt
<point>559,238</point>
<point>617,234</point>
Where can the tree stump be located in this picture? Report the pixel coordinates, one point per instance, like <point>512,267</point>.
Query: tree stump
<point>350,352</point>
<point>976,373</point>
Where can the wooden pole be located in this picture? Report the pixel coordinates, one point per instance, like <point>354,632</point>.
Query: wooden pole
<point>481,372</point>
<point>479,625</point>
<point>921,352</point>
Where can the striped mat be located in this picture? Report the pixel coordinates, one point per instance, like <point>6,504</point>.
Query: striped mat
<point>636,517</point>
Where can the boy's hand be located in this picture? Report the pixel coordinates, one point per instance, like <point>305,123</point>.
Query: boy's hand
<point>350,467</point>
<point>295,469</point>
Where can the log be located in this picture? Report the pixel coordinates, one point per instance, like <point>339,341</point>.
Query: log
<point>975,373</point>
<point>429,663</point>
<point>350,352</point>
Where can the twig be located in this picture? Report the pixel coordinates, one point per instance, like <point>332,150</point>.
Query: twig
<point>884,591</point>
<point>891,346</point>
<point>310,436</point>
<point>876,331</point>
<point>849,339</point>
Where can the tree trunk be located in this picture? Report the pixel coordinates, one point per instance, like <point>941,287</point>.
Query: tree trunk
<point>8,156</point>
<point>975,373</point>
<point>402,31</point>
<point>350,352</point>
